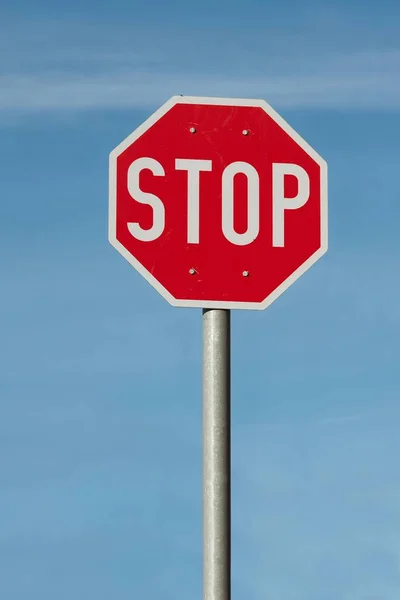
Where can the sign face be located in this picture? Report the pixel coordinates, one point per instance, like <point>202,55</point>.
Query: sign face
<point>218,202</point>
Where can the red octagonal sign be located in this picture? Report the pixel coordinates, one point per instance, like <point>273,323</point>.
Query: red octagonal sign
<point>218,202</point>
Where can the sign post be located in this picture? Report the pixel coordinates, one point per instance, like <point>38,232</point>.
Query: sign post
<point>219,204</point>
<point>216,455</point>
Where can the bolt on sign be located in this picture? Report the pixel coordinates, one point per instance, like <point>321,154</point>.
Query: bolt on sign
<point>218,202</point>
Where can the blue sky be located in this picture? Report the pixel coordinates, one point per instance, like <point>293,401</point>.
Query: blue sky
<point>100,428</point>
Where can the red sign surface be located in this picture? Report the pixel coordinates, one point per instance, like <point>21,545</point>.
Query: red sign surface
<point>218,202</point>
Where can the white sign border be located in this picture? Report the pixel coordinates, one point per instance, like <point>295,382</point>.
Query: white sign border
<point>219,102</point>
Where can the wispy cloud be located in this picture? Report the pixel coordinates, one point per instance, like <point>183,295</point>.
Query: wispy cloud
<point>58,68</point>
<point>127,88</point>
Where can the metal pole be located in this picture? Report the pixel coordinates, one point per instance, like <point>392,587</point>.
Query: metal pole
<point>216,455</point>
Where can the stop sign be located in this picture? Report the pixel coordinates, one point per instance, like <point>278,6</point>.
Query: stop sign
<point>218,202</point>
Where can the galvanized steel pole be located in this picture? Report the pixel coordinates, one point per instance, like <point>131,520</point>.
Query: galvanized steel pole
<point>216,455</point>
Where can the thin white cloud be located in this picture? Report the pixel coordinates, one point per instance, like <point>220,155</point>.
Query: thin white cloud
<point>64,67</point>
<point>135,88</point>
